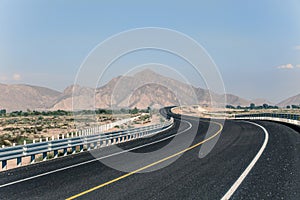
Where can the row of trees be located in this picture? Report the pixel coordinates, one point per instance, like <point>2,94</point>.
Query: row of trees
<point>2,112</point>
<point>64,113</point>
<point>293,106</point>
<point>252,106</point>
<point>35,113</point>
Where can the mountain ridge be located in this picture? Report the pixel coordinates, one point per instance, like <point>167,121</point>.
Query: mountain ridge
<point>142,89</point>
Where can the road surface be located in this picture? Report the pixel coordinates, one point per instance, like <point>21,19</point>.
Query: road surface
<point>181,174</point>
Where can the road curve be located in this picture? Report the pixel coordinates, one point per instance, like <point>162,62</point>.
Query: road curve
<point>275,175</point>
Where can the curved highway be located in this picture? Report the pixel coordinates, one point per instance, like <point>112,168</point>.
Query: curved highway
<point>176,171</point>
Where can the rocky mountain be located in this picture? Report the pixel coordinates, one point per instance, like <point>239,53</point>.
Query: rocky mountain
<point>74,93</point>
<point>294,100</point>
<point>143,89</point>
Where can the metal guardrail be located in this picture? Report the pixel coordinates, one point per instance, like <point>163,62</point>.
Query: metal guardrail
<point>280,117</point>
<point>85,141</point>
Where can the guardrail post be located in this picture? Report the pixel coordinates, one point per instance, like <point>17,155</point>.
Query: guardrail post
<point>44,156</point>
<point>73,150</point>
<point>19,161</point>
<point>32,159</point>
<point>65,151</point>
<point>55,153</point>
<point>4,164</point>
<point>81,148</point>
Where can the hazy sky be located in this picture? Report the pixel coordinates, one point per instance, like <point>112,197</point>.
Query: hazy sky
<point>255,44</point>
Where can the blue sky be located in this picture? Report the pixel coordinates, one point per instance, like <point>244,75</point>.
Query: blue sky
<point>255,44</point>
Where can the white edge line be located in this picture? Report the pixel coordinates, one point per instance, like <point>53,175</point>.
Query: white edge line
<point>96,159</point>
<point>250,166</point>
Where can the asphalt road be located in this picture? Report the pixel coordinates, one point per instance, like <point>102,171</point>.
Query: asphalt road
<point>183,175</point>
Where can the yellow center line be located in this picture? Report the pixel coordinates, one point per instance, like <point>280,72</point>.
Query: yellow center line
<point>147,166</point>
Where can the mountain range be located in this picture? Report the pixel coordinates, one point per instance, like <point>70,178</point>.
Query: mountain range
<point>143,89</point>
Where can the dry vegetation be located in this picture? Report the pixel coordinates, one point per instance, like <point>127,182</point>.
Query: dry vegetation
<point>15,128</point>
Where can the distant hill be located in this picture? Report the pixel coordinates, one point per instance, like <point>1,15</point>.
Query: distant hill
<point>236,101</point>
<point>22,97</point>
<point>294,100</point>
<point>261,102</point>
<point>143,89</point>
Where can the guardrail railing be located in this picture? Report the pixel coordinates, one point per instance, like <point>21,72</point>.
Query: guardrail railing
<point>85,141</point>
<point>280,117</point>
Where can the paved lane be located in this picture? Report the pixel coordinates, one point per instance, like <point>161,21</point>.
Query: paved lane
<point>275,175</point>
